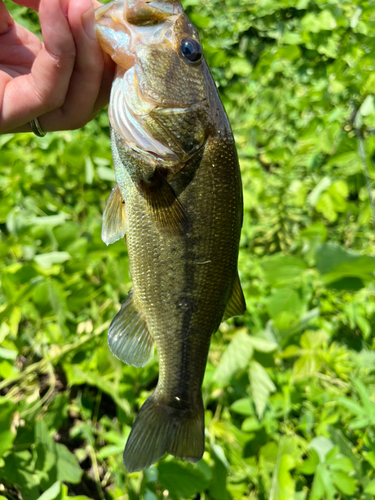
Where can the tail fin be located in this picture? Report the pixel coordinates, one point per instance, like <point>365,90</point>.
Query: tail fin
<point>160,428</point>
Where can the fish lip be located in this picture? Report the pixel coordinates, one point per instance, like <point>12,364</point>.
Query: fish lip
<point>163,6</point>
<point>172,7</point>
<point>100,11</point>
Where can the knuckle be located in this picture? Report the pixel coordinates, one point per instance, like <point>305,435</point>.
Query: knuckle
<point>91,64</point>
<point>73,121</point>
<point>78,124</point>
<point>67,55</point>
<point>57,100</point>
<point>50,98</point>
<point>91,71</point>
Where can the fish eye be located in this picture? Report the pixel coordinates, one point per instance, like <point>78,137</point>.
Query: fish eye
<point>191,50</point>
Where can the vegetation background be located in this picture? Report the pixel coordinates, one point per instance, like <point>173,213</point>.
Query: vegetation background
<point>290,387</point>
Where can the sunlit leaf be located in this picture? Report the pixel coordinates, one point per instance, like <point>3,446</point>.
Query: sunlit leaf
<point>261,386</point>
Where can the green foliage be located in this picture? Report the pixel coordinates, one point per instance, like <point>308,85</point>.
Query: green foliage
<point>289,388</point>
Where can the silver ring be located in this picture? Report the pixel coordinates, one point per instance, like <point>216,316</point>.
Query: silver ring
<point>36,128</point>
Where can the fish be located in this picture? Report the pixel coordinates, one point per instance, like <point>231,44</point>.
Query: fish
<point>178,202</point>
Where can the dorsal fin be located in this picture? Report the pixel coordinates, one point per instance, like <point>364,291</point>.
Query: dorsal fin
<point>236,305</point>
<point>114,219</point>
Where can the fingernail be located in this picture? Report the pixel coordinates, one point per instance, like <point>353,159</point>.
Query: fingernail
<point>88,23</point>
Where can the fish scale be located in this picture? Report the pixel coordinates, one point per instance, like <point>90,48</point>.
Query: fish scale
<point>183,211</point>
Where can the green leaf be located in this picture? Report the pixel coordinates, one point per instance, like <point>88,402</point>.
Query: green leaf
<point>284,300</point>
<point>370,457</point>
<point>235,358</point>
<point>68,469</point>
<point>7,435</point>
<point>217,487</point>
<point>17,471</point>
<point>149,495</point>
<point>53,493</point>
<point>367,107</point>
<point>322,446</point>
<point>77,376</point>
<point>318,485</point>
<point>345,446</point>
<point>370,488</point>
<point>343,482</point>
<point>352,406</point>
<point>310,464</point>
<point>313,339</point>
<point>322,186</point>
<point>48,220</point>
<point>105,173</point>
<point>181,479</point>
<point>306,366</point>
<point>334,262</point>
<point>342,464</point>
<point>242,406</point>
<point>47,260</point>
<point>241,67</point>
<point>250,424</point>
<point>285,481</point>
<point>89,170</point>
<point>369,406</point>
<point>262,345</point>
<point>110,451</point>
<point>282,268</point>
<point>319,22</point>
<point>261,386</point>
<point>8,353</point>
<point>199,21</point>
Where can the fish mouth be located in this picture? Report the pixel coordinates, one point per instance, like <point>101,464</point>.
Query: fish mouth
<point>140,12</point>
<point>122,25</point>
<point>170,7</point>
<point>126,31</point>
<point>118,36</point>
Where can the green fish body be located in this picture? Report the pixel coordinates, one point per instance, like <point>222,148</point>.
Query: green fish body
<point>178,200</point>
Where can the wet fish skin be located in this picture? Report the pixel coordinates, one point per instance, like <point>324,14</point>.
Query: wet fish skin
<point>178,175</point>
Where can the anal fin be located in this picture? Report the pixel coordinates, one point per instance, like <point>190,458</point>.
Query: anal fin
<point>236,305</point>
<point>114,219</point>
<point>128,336</point>
<point>164,206</point>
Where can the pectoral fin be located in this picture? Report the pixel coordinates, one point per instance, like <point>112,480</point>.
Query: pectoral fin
<point>114,219</point>
<point>236,305</point>
<point>128,336</point>
<point>164,206</point>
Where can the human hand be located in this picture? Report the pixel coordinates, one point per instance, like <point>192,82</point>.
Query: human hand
<point>63,81</point>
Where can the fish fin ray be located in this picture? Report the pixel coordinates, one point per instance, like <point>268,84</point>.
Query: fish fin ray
<point>114,224</point>
<point>160,428</point>
<point>128,336</point>
<point>165,207</point>
<point>236,305</point>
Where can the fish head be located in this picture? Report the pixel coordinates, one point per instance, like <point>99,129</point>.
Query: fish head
<point>159,100</point>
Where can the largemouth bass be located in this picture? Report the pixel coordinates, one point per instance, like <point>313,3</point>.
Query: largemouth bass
<point>178,200</point>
